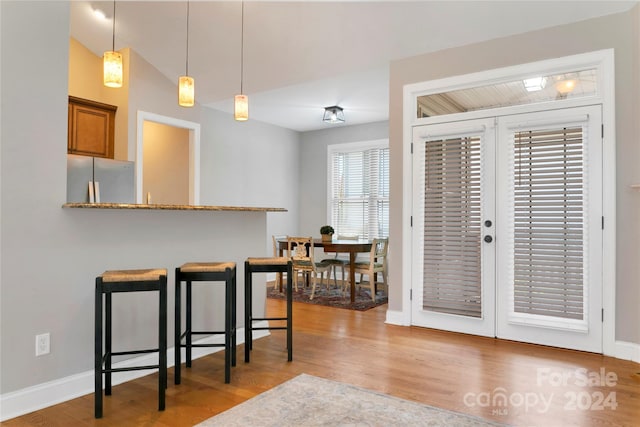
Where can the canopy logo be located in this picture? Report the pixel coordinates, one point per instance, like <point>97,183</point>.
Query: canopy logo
<point>578,390</point>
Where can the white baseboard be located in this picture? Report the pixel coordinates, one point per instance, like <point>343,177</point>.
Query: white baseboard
<point>627,351</point>
<point>43,395</point>
<point>395,317</point>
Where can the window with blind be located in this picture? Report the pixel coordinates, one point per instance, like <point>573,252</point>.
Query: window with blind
<point>359,189</point>
<point>548,211</point>
<point>452,227</point>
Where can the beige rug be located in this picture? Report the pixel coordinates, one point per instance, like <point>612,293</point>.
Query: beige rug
<point>311,401</point>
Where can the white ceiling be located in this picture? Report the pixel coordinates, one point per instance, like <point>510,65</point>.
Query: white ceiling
<point>302,56</point>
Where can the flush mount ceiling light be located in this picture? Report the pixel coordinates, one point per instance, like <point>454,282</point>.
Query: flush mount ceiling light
<point>112,60</point>
<point>241,101</point>
<point>535,84</point>
<point>333,114</point>
<point>565,86</point>
<point>186,84</point>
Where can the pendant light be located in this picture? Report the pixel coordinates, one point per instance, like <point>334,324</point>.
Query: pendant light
<point>112,60</point>
<point>241,102</point>
<point>186,84</point>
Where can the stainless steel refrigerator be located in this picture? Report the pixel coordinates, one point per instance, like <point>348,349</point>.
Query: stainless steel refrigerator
<point>115,178</point>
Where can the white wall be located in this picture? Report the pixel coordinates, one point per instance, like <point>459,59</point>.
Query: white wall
<point>615,31</point>
<point>251,164</point>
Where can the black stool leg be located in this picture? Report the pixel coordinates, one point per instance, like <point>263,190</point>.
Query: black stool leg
<point>188,325</point>
<point>178,329</point>
<point>107,345</point>
<point>289,313</point>
<point>234,320</point>
<point>98,350</point>
<point>228,298</point>
<point>247,312</point>
<point>162,381</point>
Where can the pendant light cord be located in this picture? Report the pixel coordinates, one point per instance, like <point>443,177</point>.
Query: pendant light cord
<point>187,55</point>
<point>242,49</point>
<point>113,32</point>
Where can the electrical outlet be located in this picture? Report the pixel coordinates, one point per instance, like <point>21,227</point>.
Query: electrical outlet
<point>43,344</point>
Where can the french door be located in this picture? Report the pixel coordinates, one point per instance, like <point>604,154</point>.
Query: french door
<point>507,236</point>
<point>453,267</point>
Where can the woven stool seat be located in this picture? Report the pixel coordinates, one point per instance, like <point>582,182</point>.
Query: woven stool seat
<point>268,261</point>
<point>133,275</point>
<point>206,267</point>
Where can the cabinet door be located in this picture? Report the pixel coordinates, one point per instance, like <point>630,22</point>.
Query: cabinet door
<point>91,129</point>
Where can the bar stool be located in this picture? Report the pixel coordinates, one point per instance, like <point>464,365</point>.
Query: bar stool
<point>266,265</point>
<point>127,281</point>
<point>206,272</point>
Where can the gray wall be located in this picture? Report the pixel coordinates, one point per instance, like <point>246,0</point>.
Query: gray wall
<point>616,31</point>
<point>251,164</point>
<point>50,256</point>
<point>313,168</point>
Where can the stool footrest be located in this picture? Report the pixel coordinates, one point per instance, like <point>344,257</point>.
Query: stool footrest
<point>131,368</point>
<point>255,319</point>
<point>204,345</point>
<point>126,353</point>
<point>207,332</point>
<point>268,328</point>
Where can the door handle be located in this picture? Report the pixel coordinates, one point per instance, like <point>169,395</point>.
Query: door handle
<point>488,239</point>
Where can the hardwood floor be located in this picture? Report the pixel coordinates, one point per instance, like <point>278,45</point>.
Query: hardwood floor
<point>543,386</point>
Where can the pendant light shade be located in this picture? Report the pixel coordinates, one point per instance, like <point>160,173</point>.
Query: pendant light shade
<point>186,91</point>
<point>186,84</point>
<point>112,60</point>
<point>241,102</point>
<point>112,68</point>
<point>241,108</point>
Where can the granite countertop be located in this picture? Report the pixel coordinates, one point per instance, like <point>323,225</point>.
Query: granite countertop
<point>170,207</point>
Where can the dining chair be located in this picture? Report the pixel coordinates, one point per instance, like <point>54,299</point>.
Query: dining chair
<point>377,263</point>
<point>301,254</point>
<point>339,261</point>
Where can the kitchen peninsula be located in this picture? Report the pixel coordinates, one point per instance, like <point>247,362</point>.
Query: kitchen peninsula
<point>113,236</point>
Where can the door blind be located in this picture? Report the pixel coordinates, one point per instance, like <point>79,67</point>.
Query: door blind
<point>548,222</point>
<point>452,227</point>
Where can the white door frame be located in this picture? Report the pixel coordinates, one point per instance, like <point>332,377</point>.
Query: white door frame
<point>603,61</point>
<point>194,152</point>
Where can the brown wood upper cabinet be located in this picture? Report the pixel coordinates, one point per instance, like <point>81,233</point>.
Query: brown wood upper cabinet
<point>91,128</point>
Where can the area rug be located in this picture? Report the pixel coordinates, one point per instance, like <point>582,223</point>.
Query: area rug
<point>331,297</point>
<point>311,401</point>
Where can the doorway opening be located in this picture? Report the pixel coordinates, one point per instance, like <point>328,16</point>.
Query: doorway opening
<point>167,160</point>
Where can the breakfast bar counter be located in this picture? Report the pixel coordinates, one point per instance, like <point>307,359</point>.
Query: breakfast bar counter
<point>170,207</point>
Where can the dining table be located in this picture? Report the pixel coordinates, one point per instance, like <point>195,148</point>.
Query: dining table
<point>352,247</point>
